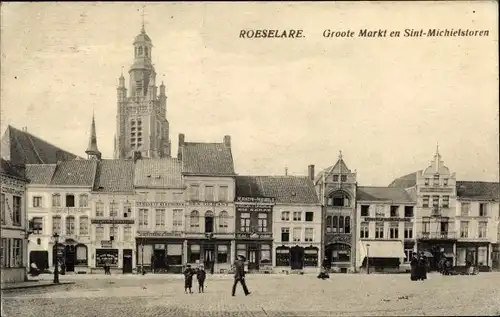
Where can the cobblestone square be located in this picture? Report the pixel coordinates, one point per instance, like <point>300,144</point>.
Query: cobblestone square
<point>294,295</point>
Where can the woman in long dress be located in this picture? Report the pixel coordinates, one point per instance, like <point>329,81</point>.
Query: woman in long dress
<point>414,273</point>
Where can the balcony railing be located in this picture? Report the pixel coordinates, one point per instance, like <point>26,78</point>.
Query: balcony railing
<point>445,235</point>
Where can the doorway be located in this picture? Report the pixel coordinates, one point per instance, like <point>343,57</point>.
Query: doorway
<point>70,252</point>
<point>253,258</point>
<point>41,259</point>
<point>209,222</point>
<point>297,258</point>
<point>160,263</point>
<point>208,257</point>
<point>127,261</point>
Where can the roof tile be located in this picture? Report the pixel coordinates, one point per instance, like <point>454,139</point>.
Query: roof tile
<point>405,181</point>
<point>40,174</point>
<point>392,194</point>
<point>115,176</point>
<point>207,159</point>
<point>162,172</point>
<point>75,173</point>
<point>478,190</point>
<point>10,170</point>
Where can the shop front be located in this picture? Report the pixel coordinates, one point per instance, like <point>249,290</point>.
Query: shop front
<point>495,257</point>
<point>256,248</point>
<point>434,250</point>
<point>339,252</point>
<point>213,253</point>
<point>304,258</point>
<point>159,252</point>
<point>473,253</point>
<point>380,256</point>
<point>72,256</point>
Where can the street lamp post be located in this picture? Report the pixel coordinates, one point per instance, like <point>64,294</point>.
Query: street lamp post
<point>142,257</point>
<point>368,258</point>
<point>56,266</point>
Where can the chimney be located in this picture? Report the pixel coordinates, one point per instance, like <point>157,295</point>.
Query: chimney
<point>286,171</point>
<point>310,171</point>
<point>227,140</point>
<point>181,144</point>
<point>137,156</point>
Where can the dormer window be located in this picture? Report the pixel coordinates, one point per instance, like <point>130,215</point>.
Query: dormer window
<point>335,178</point>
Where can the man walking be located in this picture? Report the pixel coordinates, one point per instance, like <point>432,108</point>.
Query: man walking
<point>239,275</point>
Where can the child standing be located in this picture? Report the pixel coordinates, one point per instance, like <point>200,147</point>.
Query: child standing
<point>200,276</point>
<point>188,279</point>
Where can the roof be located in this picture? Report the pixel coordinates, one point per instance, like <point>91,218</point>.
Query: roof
<point>21,147</point>
<point>142,37</point>
<point>406,181</point>
<point>159,172</point>
<point>478,190</point>
<point>285,189</point>
<point>114,176</point>
<point>339,168</point>
<point>214,159</point>
<point>9,169</point>
<point>40,174</point>
<point>75,173</point>
<point>388,194</point>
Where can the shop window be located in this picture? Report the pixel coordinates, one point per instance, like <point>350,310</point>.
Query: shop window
<point>70,200</point>
<point>282,256</point>
<point>17,252</point>
<point>311,257</point>
<point>144,254</point>
<point>194,253</point>
<point>222,254</point>
<point>265,254</point>
<point>81,255</point>
<point>103,256</point>
<point>341,252</point>
<point>174,254</point>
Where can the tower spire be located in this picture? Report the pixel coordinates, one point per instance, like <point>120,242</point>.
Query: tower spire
<point>92,150</point>
<point>143,30</point>
<point>437,158</point>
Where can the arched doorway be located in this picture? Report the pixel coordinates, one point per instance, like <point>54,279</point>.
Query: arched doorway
<point>209,221</point>
<point>297,258</point>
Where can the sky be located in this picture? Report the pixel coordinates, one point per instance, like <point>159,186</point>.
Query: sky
<point>384,102</point>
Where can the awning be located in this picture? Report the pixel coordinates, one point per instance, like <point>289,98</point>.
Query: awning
<point>381,249</point>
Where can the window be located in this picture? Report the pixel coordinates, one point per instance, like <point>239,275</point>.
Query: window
<point>222,251</point>
<point>4,253</point>
<point>311,257</point>
<point>341,252</point>
<point>127,210</point>
<point>394,230</point>
<point>408,254</point>
<point>194,192</point>
<point>143,218</point>
<point>436,180</point>
<point>99,233</point>
<point>177,220</point>
<point>465,207</point>
<point>81,255</point>
<point>37,201</point>
<point>70,225</point>
<point>446,201</point>
<point>285,234</point>
<point>262,222</point>
<point>394,211</point>
<point>343,178</point>
<point>379,230</point>
<point>56,200</point>
<point>194,220</point>
<point>482,228</point>
<point>347,224</point>
<point>282,256</point>
<point>425,201</point>
<point>379,211</point>
<point>16,212</point>
<point>160,218</point>
<point>335,224</point>
<point>365,211</point>
<point>309,216</point>
<point>113,232</point>
<point>245,222</point>
<point>83,201</point>
<point>464,229</point>
<point>223,221</point>
<point>285,216</point>
<point>426,224</point>
<point>70,200</point>
<point>265,254</point>
<point>209,193</point>
<point>84,226</point>
<point>146,53</point>
<point>17,252</point>
<point>297,234</point>
<point>99,209</point>
<point>444,226</point>
<point>445,181</point>
<point>309,234</point>
<point>37,226</point>
<point>483,210</point>
<point>140,50</point>
<point>56,224</point>
<point>340,199</point>
<point>194,253</point>
<point>427,181</point>
<point>341,224</point>
<point>335,178</point>
<point>408,211</point>
<point>3,207</point>
<point>297,216</point>
<point>482,257</point>
<point>408,230</point>
<point>328,224</point>
<point>127,233</point>
<point>435,202</point>
<point>113,209</point>
<point>223,193</point>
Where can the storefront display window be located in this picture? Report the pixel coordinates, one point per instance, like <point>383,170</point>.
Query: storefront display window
<point>265,254</point>
<point>144,259</point>
<point>174,254</point>
<point>461,255</point>
<point>222,252</point>
<point>81,255</point>
<point>282,256</point>
<point>106,255</point>
<point>482,258</point>
<point>194,253</point>
<point>311,257</point>
<point>241,250</point>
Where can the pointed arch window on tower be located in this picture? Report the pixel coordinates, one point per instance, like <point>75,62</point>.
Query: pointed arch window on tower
<point>140,50</point>
<point>146,52</point>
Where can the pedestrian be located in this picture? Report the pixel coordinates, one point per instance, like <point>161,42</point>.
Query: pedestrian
<point>414,272</point>
<point>323,274</point>
<point>422,267</point>
<point>200,276</point>
<point>188,279</point>
<point>239,275</point>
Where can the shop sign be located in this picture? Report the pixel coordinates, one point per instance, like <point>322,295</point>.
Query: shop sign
<point>158,234</point>
<point>159,204</point>
<point>104,256</point>
<point>106,243</point>
<point>387,219</point>
<point>256,200</point>
<point>112,221</point>
<point>206,204</point>
<point>254,236</point>
<point>254,208</point>
<point>10,190</point>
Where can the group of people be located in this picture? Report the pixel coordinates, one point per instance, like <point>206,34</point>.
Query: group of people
<point>418,267</point>
<point>445,266</point>
<point>239,277</point>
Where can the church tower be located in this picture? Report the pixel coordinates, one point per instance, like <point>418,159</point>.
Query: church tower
<point>141,124</point>
<point>92,151</point>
